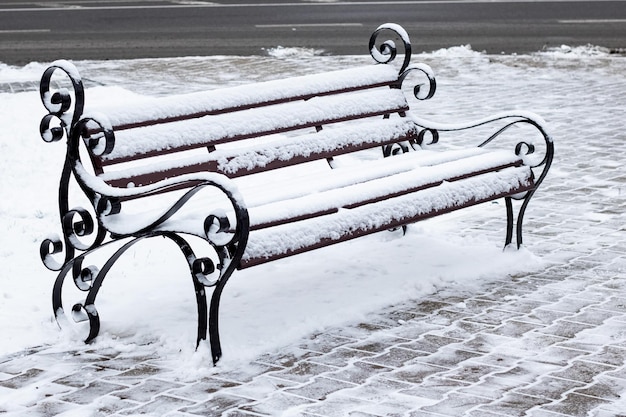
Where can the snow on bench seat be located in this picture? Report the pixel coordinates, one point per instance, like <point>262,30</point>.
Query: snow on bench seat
<point>457,174</point>
<point>291,238</point>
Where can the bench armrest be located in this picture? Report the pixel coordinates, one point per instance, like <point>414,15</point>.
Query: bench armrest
<point>535,155</point>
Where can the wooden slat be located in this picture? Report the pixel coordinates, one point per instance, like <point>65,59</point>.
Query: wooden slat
<point>381,196</point>
<point>347,233</point>
<point>175,137</point>
<point>310,147</point>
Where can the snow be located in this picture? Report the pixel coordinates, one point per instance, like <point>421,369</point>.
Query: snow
<point>299,295</point>
<point>144,108</point>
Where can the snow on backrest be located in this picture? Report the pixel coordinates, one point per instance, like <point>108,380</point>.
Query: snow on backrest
<point>203,103</point>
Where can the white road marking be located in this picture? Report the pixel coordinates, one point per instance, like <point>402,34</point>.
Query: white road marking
<point>591,21</point>
<point>312,25</point>
<point>26,31</point>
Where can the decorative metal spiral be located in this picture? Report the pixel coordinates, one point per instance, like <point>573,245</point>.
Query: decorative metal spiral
<point>386,51</point>
<point>418,91</point>
<point>59,103</point>
<point>96,132</point>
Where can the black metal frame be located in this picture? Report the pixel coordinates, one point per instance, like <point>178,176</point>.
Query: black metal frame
<point>78,223</point>
<point>65,119</point>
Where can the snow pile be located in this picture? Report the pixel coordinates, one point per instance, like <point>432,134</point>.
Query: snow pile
<point>576,52</point>
<point>283,52</point>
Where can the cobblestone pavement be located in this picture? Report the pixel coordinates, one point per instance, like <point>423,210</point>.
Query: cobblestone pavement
<point>546,344</point>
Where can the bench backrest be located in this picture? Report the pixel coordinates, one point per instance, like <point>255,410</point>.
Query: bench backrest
<point>319,116</point>
<point>241,130</point>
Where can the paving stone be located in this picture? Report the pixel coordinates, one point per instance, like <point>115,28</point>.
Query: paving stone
<point>470,372</point>
<point>550,388</point>
<point>135,375</point>
<point>561,356</point>
<point>341,357</point>
<point>358,372</point>
<point>247,373</point>
<point>493,317</point>
<point>514,328</point>
<point>276,401</point>
<point>319,388</point>
<point>593,316</point>
<point>413,330</point>
<point>565,329</point>
<point>85,376</point>
<point>609,355</point>
<point>377,345</point>
<point>92,391</point>
<point>109,405</point>
<point>435,388</point>
<point>575,405</point>
<point>161,405</point>
<point>415,373</point>
<point>582,371</point>
<point>474,306</point>
<point>528,371</point>
<point>146,390</point>
<point>240,413</point>
<point>498,359</point>
<point>396,405</point>
<point>543,316</point>
<point>429,343</point>
<point>604,387</point>
<point>461,330</point>
<point>287,359</point>
<point>395,357</point>
<point>484,342</point>
<point>616,304</point>
<point>376,389</point>
<point>257,389</point>
<point>217,405</point>
<point>324,343</point>
<point>303,371</point>
<point>48,408</point>
<point>335,405</point>
<point>447,357</point>
<point>455,404</point>
<point>513,404</point>
<point>28,377</point>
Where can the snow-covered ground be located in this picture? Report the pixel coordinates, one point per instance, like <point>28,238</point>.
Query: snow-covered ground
<point>149,298</point>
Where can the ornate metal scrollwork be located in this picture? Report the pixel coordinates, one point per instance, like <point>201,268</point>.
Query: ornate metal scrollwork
<point>418,90</point>
<point>537,158</point>
<point>66,107</point>
<point>386,51</point>
<point>59,103</point>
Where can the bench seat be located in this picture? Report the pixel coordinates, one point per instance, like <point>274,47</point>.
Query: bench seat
<point>290,216</point>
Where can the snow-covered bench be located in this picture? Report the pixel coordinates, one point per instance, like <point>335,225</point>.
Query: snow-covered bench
<point>269,170</point>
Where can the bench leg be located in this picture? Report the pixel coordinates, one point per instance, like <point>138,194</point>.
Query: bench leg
<point>513,224</point>
<point>214,335</point>
<point>90,279</point>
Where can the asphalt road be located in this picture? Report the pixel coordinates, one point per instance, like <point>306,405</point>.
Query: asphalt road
<point>114,29</point>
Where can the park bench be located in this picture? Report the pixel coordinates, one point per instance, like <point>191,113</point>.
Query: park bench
<point>264,171</point>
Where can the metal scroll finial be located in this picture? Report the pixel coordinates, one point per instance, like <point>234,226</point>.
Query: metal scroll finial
<point>60,103</point>
<point>385,51</point>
